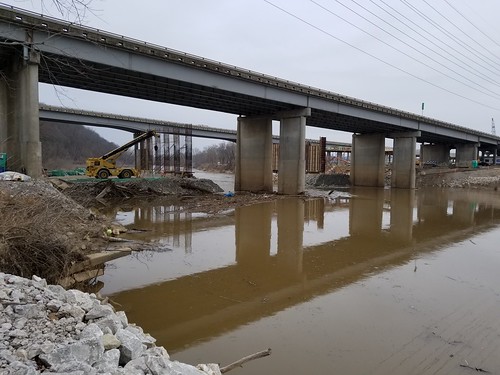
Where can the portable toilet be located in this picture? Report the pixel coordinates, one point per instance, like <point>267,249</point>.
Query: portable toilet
<point>3,162</point>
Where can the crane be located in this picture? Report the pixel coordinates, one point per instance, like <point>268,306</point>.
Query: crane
<point>105,166</point>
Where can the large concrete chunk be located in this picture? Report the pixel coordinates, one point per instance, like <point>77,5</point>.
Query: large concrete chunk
<point>131,347</point>
<point>108,362</point>
<point>88,351</point>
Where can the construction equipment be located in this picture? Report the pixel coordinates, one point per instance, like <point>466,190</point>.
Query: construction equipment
<point>105,166</point>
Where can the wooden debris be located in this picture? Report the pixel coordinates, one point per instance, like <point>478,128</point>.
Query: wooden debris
<point>240,362</point>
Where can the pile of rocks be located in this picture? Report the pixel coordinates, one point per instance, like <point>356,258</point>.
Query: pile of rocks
<point>45,328</point>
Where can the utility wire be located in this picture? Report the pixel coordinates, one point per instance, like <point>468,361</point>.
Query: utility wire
<point>427,32</point>
<point>473,25</point>
<point>450,35</point>
<point>378,58</point>
<point>480,75</point>
<point>460,30</point>
<point>431,41</point>
<point>492,94</point>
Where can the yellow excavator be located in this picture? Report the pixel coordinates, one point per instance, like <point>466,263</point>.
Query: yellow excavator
<point>105,166</point>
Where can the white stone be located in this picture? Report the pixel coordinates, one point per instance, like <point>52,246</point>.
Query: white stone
<point>99,311</point>
<point>79,298</point>
<point>110,341</point>
<point>131,347</point>
<point>108,362</point>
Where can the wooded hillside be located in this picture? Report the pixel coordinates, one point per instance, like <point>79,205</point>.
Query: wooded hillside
<point>68,146</point>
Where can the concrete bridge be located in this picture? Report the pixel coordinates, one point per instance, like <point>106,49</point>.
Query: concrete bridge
<point>73,116</point>
<point>36,48</point>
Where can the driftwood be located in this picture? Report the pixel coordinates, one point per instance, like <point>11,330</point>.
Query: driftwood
<point>116,239</point>
<point>477,369</point>
<point>240,362</point>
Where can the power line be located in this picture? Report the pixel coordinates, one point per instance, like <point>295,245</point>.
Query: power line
<point>417,41</point>
<point>495,95</point>
<point>450,35</point>
<point>473,25</point>
<point>430,40</point>
<point>459,29</point>
<point>377,58</point>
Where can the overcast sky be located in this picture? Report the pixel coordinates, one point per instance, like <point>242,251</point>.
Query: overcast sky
<point>398,53</point>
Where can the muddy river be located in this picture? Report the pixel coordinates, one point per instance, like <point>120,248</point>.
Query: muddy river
<point>365,281</point>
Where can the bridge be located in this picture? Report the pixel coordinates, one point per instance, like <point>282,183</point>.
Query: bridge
<point>73,116</point>
<point>35,48</point>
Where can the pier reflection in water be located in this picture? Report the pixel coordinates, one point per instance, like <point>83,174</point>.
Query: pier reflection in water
<point>298,274</point>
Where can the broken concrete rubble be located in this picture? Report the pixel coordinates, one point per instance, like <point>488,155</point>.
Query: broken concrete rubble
<point>44,328</point>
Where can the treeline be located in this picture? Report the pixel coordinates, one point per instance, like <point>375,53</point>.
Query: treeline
<point>68,146</point>
<point>216,157</point>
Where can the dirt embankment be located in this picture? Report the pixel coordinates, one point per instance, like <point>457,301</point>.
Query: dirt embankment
<point>484,177</point>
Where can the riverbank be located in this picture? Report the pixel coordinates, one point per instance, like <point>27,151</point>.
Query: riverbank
<point>38,216</point>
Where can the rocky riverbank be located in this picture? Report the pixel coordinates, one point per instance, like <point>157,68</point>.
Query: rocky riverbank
<point>47,329</point>
<point>484,177</point>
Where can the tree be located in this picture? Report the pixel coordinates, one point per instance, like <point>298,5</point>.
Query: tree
<point>72,10</point>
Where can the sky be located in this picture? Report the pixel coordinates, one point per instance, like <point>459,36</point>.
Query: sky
<point>398,53</point>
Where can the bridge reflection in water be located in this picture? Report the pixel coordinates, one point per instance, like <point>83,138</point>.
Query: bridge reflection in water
<point>223,272</point>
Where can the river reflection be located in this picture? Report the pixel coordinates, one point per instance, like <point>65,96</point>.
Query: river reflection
<point>215,276</point>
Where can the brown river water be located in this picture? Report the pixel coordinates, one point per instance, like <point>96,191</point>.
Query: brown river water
<point>364,281</point>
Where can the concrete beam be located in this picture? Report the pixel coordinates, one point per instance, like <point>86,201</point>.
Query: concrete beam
<point>414,134</point>
<point>299,112</point>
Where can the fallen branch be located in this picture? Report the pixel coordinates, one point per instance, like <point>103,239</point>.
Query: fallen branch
<point>475,368</point>
<point>240,362</point>
<point>116,239</point>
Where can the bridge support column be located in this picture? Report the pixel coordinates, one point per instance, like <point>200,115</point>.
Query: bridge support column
<point>437,153</point>
<point>292,158</point>
<point>368,160</point>
<point>465,154</point>
<point>19,118</point>
<point>254,144</point>
<point>403,165</point>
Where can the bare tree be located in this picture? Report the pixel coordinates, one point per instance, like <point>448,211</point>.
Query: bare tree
<point>71,10</point>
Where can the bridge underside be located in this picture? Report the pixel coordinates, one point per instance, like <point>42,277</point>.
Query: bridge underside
<point>108,79</point>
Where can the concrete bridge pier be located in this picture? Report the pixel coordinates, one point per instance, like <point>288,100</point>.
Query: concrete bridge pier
<point>253,170</point>
<point>368,160</point>
<point>438,153</point>
<point>292,158</point>
<point>466,153</point>
<point>19,118</point>
<point>403,166</point>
